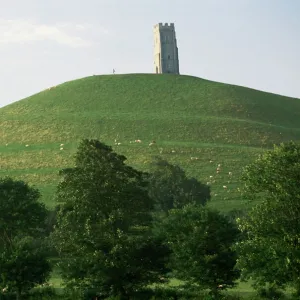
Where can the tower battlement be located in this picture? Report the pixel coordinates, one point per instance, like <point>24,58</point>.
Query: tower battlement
<point>165,26</point>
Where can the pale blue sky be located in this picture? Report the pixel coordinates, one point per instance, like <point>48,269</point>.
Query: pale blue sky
<point>253,43</point>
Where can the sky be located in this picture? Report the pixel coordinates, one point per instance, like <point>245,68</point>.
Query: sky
<point>253,43</point>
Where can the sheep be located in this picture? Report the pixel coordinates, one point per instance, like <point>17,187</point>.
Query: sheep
<point>26,145</point>
<point>151,144</point>
<point>138,141</point>
<point>6,144</point>
<point>61,145</point>
<point>61,148</point>
<point>230,173</point>
<point>224,187</point>
<point>219,165</point>
<point>118,144</point>
<point>194,158</point>
<point>173,151</point>
<point>211,176</point>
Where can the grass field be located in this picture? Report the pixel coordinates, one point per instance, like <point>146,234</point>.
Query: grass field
<point>187,117</point>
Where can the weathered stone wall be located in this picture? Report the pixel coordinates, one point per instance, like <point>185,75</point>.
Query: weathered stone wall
<point>165,49</point>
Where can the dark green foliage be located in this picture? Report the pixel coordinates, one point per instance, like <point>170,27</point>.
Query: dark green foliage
<point>170,188</point>
<point>23,265</point>
<point>275,174</point>
<point>102,184</point>
<point>20,212</point>
<point>127,265</point>
<point>270,292</point>
<point>236,214</point>
<point>270,250</point>
<point>102,232</point>
<point>23,257</point>
<point>166,293</point>
<point>200,240</point>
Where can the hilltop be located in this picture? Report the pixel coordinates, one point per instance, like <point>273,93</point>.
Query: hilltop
<point>196,123</point>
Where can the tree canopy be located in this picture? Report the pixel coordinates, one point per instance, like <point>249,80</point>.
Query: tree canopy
<point>200,240</point>
<point>170,188</point>
<point>103,226</point>
<point>270,250</point>
<point>23,260</point>
<point>20,211</point>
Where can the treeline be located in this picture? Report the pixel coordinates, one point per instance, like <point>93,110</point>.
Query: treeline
<point>119,233</point>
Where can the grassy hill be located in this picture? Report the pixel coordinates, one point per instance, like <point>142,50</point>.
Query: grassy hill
<point>188,117</point>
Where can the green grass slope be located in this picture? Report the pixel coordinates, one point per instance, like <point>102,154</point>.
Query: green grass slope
<point>188,117</point>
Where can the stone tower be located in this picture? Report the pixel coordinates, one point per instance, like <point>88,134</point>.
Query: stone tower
<point>165,49</point>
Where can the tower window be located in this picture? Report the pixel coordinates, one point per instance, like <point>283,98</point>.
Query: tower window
<point>169,57</point>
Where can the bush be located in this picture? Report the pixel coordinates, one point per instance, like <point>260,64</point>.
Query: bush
<point>270,292</point>
<point>46,292</point>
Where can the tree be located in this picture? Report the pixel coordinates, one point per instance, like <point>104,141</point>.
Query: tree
<point>103,227</point>
<point>270,250</point>
<point>275,174</point>
<point>24,265</point>
<point>170,188</point>
<point>20,212</point>
<point>22,226</point>
<point>200,240</point>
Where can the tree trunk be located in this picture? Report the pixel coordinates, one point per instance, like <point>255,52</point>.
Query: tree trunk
<point>215,293</point>
<point>19,293</point>
<point>124,294</point>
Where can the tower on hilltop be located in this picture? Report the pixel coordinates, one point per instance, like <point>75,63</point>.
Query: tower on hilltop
<point>165,49</point>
